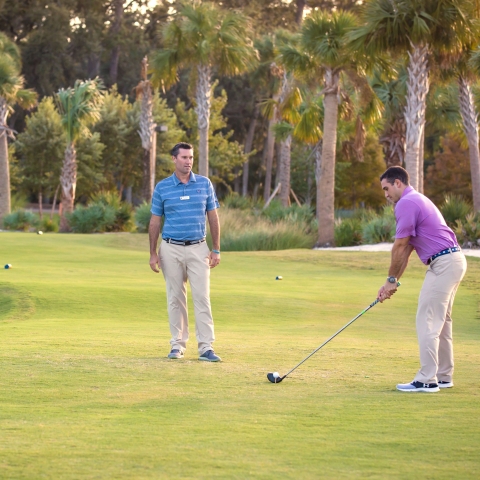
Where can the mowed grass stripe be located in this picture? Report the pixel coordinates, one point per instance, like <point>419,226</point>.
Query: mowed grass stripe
<point>86,390</point>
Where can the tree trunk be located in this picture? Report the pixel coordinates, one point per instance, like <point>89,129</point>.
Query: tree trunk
<point>417,90</point>
<point>40,203</point>
<point>421,162</point>
<point>147,134</point>
<point>326,185</point>
<point>248,149</point>
<point>285,156</point>
<point>317,171</point>
<point>299,13</point>
<point>393,143</point>
<point>116,25</point>
<point>470,126</point>
<point>5,205</point>
<point>202,109</point>
<point>146,194</point>
<point>269,159</point>
<point>68,181</point>
<point>54,202</point>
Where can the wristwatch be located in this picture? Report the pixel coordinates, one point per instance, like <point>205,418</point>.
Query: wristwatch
<point>392,279</point>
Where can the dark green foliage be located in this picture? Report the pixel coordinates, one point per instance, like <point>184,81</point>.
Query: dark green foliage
<point>348,232</point>
<point>95,218</point>
<point>48,224</point>
<point>236,201</point>
<point>40,149</point>
<point>467,230</point>
<point>142,217</point>
<point>123,221</point>
<point>105,213</point>
<point>381,228</point>
<point>275,212</point>
<point>455,208</point>
<point>20,220</point>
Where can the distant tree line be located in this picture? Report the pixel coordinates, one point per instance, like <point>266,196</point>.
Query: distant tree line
<point>309,100</point>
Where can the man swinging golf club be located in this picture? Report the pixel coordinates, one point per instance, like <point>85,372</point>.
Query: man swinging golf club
<point>421,227</point>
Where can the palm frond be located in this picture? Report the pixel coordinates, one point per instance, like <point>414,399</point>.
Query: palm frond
<point>80,106</point>
<point>308,129</point>
<point>27,98</point>
<point>282,130</point>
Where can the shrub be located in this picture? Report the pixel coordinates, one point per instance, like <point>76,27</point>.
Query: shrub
<point>294,214</point>
<point>123,211</point>
<point>18,201</point>
<point>454,208</point>
<point>348,232</point>
<point>49,225</point>
<point>242,231</point>
<point>468,230</point>
<point>20,220</point>
<point>380,228</point>
<point>235,201</point>
<point>142,217</point>
<point>96,218</point>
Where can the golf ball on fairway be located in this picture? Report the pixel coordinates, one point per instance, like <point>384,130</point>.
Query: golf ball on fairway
<point>39,232</point>
<point>276,375</point>
<point>279,278</point>
<point>7,266</point>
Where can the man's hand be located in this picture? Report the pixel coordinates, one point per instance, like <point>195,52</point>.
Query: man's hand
<point>213,259</point>
<point>386,291</point>
<point>155,262</point>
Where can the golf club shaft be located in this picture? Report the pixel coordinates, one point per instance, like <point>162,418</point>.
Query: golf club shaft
<point>333,336</point>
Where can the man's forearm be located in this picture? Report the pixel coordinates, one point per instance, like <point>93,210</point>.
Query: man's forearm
<point>214,224</point>
<point>400,254</point>
<point>153,234</point>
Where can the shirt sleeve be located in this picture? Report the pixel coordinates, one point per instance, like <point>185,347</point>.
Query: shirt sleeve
<point>212,201</point>
<point>157,203</point>
<point>406,214</point>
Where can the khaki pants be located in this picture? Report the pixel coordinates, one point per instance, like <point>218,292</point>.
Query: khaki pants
<point>178,264</point>
<point>434,317</point>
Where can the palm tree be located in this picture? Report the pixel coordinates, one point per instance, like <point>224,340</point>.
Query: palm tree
<point>204,38</point>
<point>323,50</point>
<point>147,132</point>
<point>470,123</point>
<point>79,107</point>
<point>11,93</point>
<point>415,27</point>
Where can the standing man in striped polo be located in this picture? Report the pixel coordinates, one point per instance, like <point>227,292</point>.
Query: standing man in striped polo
<point>421,227</point>
<point>185,200</point>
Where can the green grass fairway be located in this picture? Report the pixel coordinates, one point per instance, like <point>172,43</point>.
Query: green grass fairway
<point>86,390</point>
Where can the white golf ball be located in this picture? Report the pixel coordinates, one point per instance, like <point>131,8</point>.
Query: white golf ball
<point>40,232</point>
<point>276,375</point>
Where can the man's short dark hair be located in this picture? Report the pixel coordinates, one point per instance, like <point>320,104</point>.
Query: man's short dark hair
<point>174,151</point>
<point>395,173</point>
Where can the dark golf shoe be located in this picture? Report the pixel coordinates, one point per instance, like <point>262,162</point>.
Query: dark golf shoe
<point>175,354</point>
<point>209,356</point>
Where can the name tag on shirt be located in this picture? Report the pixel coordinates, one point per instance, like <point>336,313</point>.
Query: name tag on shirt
<point>185,198</point>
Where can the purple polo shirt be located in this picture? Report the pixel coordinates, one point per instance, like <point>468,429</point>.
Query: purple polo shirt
<point>418,218</point>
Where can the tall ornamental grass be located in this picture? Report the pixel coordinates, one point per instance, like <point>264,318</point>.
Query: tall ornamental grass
<point>455,208</point>
<point>380,228</point>
<point>243,231</point>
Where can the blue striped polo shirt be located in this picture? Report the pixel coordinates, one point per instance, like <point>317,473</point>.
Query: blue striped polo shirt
<point>184,206</point>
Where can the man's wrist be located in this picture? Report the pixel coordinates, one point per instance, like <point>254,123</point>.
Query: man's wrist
<point>391,279</point>
<point>216,250</point>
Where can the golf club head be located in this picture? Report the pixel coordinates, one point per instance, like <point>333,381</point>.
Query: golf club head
<point>273,379</point>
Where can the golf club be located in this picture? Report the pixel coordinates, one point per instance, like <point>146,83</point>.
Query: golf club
<point>276,378</point>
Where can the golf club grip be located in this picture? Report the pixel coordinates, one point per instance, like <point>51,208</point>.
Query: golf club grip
<point>336,333</point>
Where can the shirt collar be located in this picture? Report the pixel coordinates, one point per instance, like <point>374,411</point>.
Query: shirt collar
<point>407,190</point>
<point>176,180</point>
